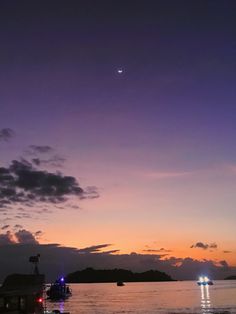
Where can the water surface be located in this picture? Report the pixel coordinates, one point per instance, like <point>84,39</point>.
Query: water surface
<point>149,298</point>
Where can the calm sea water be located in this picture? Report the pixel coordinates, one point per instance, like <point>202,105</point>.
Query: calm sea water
<point>149,298</point>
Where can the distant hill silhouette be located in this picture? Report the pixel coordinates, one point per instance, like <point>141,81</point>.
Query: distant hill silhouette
<point>90,275</point>
<point>231,277</point>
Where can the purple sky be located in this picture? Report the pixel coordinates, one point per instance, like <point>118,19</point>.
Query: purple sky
<point>157,141</point>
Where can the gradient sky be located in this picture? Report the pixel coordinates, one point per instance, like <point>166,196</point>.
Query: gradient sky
<point>157,140</point>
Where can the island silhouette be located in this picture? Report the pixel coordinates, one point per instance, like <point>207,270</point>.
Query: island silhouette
<point>233,277</point>
<point>90,275</point>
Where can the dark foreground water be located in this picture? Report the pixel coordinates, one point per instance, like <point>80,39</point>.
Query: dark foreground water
<point>148,298</point>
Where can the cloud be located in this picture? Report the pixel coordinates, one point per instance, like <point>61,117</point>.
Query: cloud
<point>5,227</point>
<point>17,226</point>
<point>6,134</point>
<point>22,183</point>
<point>57,259</point>
<point>94,248</point>
<point>90,192</point>
<point>224,264</point>
<point>6,238</point>
<point>45,210</point>
<point>40,149</point>
<point>55,161</point>
<point>21,236</point>
<point>110,252</point>
<point>213,246</point>
<point>48,153</point>
<point>24,236</point>
<point>204,246</point>
<point>167,174</point>
<point>161,250</point>
<point>38,234</point>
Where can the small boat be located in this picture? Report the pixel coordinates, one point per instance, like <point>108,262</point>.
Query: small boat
<point>120,283</point>
<point>59,290</point>
<point>204,280</point>
<point>55,312</point>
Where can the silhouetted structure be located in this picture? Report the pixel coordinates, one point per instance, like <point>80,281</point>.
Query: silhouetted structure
<point>23,293</point>
<point>35,261</point>
<point>233,277</point>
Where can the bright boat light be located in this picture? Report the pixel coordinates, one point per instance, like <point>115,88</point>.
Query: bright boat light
<point>201,279</point>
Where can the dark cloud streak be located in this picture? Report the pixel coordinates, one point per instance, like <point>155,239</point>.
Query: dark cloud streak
<point>6,134</point>
<point>161,250</point>
<point>55,161</point>
<point>204,246</point>
<point>40,149</point>
<point>5,227</point>
<point>93,249</point>
<point>50,158</point>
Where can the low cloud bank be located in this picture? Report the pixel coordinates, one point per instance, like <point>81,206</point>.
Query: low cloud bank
<point>58,260</point>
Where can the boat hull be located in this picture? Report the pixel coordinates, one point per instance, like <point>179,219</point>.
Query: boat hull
<point>209,283</point>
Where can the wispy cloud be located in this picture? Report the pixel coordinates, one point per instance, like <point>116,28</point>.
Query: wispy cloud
<point>216,169</point>
<point>6,134</point>
<point>44,155</point>
<point>55,161</point>
<point>230,168</point>
<point>40,149</point>
<point>94,248</point>
<point>17,226</point>
<point>161,250</point>
<point>204,246</point>
<point>167,174</point>
<point>5,227</point>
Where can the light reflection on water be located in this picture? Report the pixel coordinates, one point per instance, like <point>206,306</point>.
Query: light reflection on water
<point>205,299</point>
<point>61,306</point>
<point>148,298</point>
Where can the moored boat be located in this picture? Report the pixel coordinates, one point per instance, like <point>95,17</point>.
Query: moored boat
<point>59,290</point>
<point>204,280</point>
<point>120,283</point>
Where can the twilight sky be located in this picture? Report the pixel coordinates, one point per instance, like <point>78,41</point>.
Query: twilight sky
<point>139,160</point>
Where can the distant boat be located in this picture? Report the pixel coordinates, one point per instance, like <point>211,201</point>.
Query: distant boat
<point>59,290</point>
<point>120,283</point>
<point>204,280</point>
<point>55,312</point>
